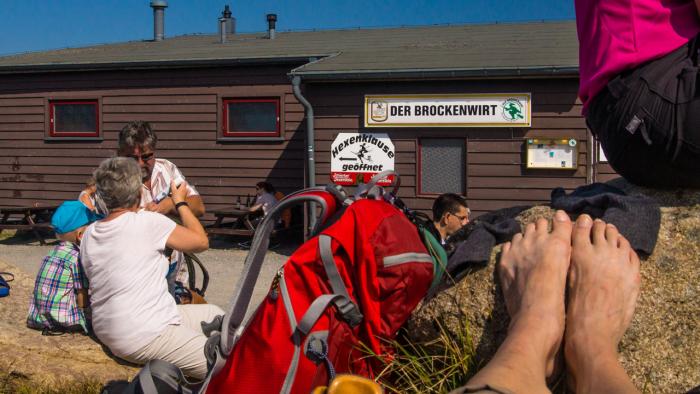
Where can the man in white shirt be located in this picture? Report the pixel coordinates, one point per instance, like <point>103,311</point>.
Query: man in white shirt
<point>138,141</point>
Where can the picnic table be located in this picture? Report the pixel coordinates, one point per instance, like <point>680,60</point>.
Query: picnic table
<point>241,225</point>
<point>33,217</point>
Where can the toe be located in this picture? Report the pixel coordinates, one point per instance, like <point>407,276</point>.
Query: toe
<point>582,232</point>
<point>529,229</point>
<point>506,248</point>
<point>612,234</point>
<point>561,226</point>
<point>598,232</point>
<point>542,225</point>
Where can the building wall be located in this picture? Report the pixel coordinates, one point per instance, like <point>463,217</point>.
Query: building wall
<point>496,176</point>
<point>184,106</point>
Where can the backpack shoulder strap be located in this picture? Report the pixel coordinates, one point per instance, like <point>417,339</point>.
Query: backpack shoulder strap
<point>348,310</point>
<point>232,324</point>
<point>160,377</point>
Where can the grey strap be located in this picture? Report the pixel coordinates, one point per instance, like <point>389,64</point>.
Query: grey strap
<point>409,257</point>
<point>232,324</point>
<point>315,311</point>
<point>347,308</point>
<point>148,386</point>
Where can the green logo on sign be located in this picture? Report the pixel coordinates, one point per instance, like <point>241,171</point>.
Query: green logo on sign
<point>512,110</point>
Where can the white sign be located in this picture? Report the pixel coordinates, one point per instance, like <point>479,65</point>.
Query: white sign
<point>449,110</point>
<point>554,154</point>
<point>356,157</point>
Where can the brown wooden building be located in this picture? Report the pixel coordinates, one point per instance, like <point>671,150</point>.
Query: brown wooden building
<point>226,112</point>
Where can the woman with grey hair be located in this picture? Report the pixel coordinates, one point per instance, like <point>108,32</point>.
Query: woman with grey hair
<point>123,257</point>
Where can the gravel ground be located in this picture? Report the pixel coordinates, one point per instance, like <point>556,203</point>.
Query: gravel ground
<point>223,260</point>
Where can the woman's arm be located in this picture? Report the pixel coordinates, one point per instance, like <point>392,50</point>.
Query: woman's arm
<point>190,237</point>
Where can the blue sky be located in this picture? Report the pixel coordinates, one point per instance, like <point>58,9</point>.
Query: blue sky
<point>31,25</point>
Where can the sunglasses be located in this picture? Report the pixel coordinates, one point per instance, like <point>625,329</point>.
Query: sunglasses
<point>144,158</point>
<point>461,218</point>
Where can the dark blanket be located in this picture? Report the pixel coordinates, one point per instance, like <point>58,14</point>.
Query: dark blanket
<point>637,217</point>
<point>471,245</point>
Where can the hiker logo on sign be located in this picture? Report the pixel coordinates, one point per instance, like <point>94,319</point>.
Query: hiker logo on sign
<point>379,111</point>
<point>512,110</point>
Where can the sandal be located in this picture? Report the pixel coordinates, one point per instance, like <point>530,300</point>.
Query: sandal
<point>4,287</point>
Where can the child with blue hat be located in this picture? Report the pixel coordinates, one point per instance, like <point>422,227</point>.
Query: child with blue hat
<point>60,289</point>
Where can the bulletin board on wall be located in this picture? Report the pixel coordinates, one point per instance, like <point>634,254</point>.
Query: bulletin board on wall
<point>551,153</point>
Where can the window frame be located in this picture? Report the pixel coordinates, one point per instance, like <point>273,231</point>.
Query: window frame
<point>227,135</point>
<point>419,167</point>
<point>52,134</point>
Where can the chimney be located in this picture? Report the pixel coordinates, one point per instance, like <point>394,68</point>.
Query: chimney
<point>159,7</point>
<point>271,21</point>
<point>227,24</point>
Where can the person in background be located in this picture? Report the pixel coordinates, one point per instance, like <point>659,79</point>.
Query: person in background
<point>60,290</point>
<point>123,255</point>
<point>638,84</point>
<point>138,141</point>
<point>87,196</point>
<point>266,199</point>
<point>450,213</point>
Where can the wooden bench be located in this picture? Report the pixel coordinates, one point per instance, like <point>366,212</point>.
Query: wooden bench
<point>27,218</point>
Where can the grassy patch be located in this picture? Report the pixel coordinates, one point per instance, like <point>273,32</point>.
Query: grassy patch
<point>16,383</point>
<point>436,366</point>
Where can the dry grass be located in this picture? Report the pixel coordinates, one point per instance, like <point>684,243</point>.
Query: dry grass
<point>436,366</point>
<point>16,383</point>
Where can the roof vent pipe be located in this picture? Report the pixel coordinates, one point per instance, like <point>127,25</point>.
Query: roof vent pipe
<point>222,30</point>
<point>159,7</point>
<point>271,21</point>
<point>229,25</point>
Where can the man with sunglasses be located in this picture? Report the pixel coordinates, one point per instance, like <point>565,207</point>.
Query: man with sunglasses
<point>450,213</point>
<point>137,140</point>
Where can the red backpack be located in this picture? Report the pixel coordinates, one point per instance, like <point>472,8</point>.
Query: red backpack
<point>350,287</point>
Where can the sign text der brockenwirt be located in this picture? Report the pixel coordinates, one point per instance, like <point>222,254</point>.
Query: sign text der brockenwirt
<point>449,110</point>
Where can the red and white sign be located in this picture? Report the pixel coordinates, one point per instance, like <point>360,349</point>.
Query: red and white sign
<point>357,157</point>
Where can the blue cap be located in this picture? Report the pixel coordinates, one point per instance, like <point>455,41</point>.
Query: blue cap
<point>72,215</point>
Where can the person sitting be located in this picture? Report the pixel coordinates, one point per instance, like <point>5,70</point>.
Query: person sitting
<point>87,196</point>
<point>60,290</point>
<point>138,141</point>
<point>265,200</point>
<point>450,213</point>
<point>592,267</point>
<point>638,85</point>
<point>123,255</point>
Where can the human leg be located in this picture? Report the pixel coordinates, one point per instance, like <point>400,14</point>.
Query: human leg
<point>646,121</point>
<point>532,272</point>
<point>194,314</point>
<point>603,290</point>
<point>182,345</point>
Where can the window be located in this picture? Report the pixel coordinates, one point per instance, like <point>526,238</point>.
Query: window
<point>441,164</point>
<point>73,118</point>
<point>254,117</point>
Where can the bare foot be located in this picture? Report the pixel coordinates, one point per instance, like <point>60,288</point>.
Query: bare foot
<point>532,272</point>
<point>603,290</point>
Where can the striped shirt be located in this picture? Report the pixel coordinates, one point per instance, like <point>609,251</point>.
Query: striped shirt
<point>53,304</point>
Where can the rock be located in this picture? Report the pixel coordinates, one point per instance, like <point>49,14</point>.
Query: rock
<point>44,360</point>
<point>661,349</point>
